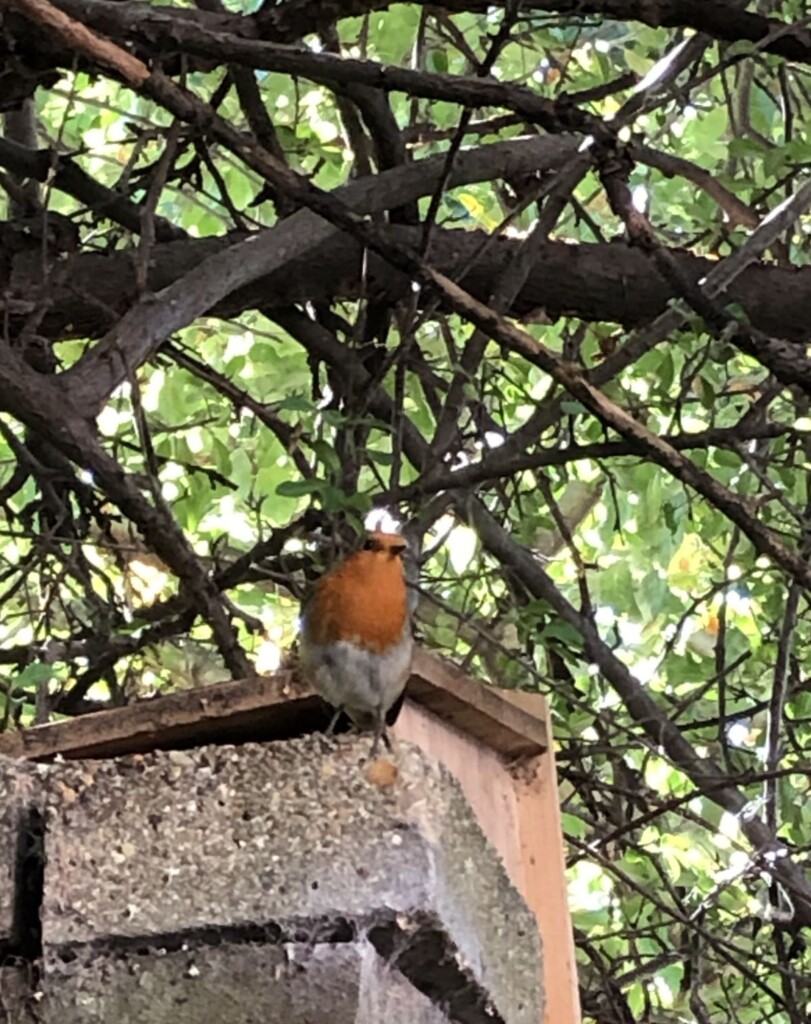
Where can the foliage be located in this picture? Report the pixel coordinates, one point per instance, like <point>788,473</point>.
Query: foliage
<point>630,494</point>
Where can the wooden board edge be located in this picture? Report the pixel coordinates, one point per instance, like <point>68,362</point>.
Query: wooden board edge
<point>540,833</point>
<point>160,722</point>
<point>277,707</point>
<point>486,712</point>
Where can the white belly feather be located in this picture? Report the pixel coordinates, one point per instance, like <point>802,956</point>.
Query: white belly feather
<point>365,684</point>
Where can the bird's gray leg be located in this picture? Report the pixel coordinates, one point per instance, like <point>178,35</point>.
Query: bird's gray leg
<point>328,738</point>
<point>380,733</point>
<point>376,686</point>
<point>334,721</point>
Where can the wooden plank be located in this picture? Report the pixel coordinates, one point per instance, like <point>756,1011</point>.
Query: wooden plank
<point>253,709</point>
<point>486,712</point>
<point>268,708</point>
<point>543,856</point>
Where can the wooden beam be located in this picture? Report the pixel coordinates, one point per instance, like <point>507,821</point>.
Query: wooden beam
<point>485,712</point>
<point>272,708</point>
<point>247,709</point>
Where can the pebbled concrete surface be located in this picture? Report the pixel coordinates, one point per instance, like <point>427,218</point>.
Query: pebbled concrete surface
<point>243,984</point>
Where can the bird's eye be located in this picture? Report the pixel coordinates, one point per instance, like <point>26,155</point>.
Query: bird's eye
<point>369,544</point>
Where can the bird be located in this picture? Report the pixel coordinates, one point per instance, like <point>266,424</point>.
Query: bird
<point>355,641</point>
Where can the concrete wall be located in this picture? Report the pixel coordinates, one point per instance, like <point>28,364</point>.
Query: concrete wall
<point>268,883</point>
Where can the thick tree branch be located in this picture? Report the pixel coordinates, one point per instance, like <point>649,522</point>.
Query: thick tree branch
<point>168,34</point>
<point>716,18</point>
<point>601,283</point>
<point>66,175</point>
<point>206,283</point>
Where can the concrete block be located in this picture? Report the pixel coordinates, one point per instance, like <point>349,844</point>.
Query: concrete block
<point>20,853</point>
<point>9,832</point>
<point>266,845</point>
<point>19,999</point>
<point>240,984</point>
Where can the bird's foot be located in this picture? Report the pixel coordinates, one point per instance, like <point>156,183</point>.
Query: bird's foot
<point>380,734</point>
<point>328,737</point>
<point>328,743</point>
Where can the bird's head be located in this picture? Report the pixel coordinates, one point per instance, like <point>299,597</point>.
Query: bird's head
<point>387,545</point>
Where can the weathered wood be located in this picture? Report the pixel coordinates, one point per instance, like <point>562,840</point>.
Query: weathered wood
<point>272,708</point>
<point>540,848</point>
<point>247,709</point>
<point>486,712</point>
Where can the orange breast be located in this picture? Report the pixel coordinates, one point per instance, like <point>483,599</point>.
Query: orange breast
<point>363,601</point>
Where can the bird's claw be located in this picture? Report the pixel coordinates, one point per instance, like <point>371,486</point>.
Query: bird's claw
<point>380,734</point>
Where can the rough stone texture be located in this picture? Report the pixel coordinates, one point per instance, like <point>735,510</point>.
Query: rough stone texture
<point>272,882</point>
<point>9,829</point>
<point>293,984</point>
<point>17,786</point>
<point>17,1005</point>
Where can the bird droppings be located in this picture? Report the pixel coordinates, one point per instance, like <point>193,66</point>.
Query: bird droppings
<point>231,855</point>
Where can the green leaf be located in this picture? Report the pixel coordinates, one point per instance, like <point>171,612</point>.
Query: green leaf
<point>437,61</point>
<point>295,403</point>
<point>31,675</point>
<point>298,488</point>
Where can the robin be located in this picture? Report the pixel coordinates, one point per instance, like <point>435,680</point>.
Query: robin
<point>356,642</point>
